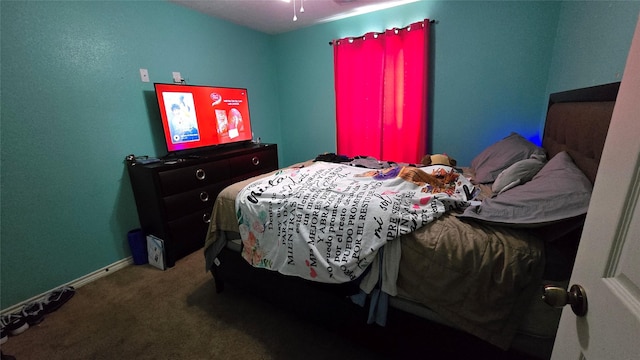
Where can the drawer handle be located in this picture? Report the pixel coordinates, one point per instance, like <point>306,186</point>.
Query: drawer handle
<point>255,160</point>
<point>204,196</point>
<point>206,218</point>
<point>200,174</point>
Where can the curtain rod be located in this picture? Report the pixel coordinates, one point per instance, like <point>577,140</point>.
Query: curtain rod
<point>380,33</point>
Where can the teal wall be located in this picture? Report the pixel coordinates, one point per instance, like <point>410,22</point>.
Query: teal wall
<point>73,104</point>
<point>592,43</point>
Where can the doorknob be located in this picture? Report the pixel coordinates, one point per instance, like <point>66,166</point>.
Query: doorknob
<point>558,297</point>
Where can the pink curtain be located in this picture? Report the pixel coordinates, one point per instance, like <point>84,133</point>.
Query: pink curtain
<point>381,93</point>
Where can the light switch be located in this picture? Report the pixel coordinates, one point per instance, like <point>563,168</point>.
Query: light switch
<point>144,75</point>
<point>176,77</point>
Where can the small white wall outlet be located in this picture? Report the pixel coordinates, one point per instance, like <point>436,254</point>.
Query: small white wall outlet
<point>176,77</point>
<point>144,75</point>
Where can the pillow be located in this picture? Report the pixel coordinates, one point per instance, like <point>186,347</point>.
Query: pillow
<point>518,173</point>
<point>557,192</point>
<point>499,156</point>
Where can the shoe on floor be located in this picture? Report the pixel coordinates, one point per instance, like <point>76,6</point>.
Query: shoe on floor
<point>33,313</point>
<point>57,298</point>
<point>14,324</point>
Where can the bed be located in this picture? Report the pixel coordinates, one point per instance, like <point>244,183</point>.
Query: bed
<point>471,250</point>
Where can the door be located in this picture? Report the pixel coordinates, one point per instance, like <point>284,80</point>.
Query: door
<point>608,260</point>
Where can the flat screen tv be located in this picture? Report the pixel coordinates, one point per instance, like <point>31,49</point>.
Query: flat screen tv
<point>195,117</point>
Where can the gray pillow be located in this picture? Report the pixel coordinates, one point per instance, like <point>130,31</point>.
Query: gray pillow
<point>557,192</point>
<point>518,173</point>
<point>493,160</point>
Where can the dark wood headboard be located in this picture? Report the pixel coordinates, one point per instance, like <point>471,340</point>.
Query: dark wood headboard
<point>577,122</point>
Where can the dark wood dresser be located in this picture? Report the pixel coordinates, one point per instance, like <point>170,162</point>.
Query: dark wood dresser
<point>175,197</point>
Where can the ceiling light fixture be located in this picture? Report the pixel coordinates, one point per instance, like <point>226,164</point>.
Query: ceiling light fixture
<point>295,18</point>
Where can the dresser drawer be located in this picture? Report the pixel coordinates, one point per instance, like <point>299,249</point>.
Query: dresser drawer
<point>192,177</point>
<point>256,163</point>
<point>181,204</point>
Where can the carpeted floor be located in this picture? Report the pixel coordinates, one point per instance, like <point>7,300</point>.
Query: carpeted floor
<point>141,312</point>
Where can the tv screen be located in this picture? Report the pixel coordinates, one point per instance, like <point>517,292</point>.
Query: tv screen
<point>195,116</point>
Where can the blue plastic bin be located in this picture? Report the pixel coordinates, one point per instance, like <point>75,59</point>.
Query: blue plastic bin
<point>138,245</point>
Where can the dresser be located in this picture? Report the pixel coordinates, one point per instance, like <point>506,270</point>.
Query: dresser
<point>174,197</point>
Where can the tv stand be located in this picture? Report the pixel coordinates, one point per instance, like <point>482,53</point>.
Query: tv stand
<point>174,197</point>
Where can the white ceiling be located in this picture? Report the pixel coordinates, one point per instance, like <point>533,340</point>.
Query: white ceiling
<point>276,16</point>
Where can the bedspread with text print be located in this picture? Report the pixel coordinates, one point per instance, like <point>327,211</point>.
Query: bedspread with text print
<point>326,222</point>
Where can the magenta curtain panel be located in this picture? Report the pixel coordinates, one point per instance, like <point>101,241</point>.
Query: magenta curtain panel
<point>381,93</point>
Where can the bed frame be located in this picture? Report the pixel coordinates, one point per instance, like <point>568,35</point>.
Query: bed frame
<point>577,122</point>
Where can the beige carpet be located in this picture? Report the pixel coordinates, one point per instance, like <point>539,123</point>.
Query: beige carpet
<point>141,312</point>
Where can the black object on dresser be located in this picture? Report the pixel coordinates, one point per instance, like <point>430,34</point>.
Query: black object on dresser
<point>175,197</point>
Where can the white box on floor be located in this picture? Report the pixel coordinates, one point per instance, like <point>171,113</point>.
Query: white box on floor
<point>155,249</point>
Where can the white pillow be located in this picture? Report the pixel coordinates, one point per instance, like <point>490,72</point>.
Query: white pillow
<point>518,173</point>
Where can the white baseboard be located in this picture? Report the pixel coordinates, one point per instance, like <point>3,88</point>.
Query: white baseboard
<point>77,283</point>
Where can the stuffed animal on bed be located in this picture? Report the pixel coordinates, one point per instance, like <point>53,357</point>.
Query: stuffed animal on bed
<point>438,159</point>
